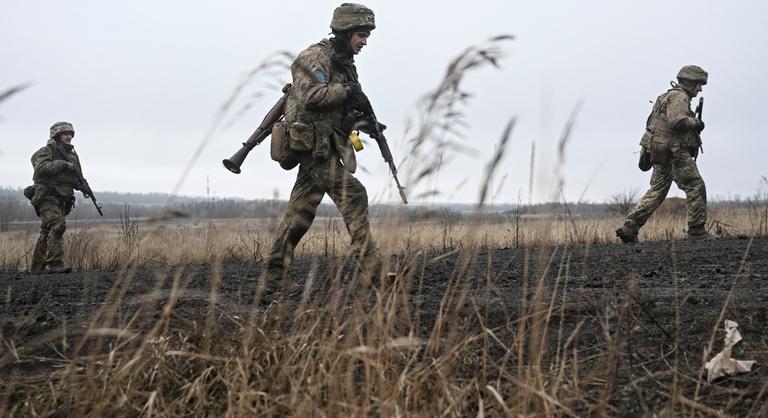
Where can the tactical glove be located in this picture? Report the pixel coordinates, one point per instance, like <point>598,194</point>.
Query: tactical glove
<point>356,98</point>
<point>365,126</point>
<point>689,124</point>
<point>86,189</point>
<point>645,160</point>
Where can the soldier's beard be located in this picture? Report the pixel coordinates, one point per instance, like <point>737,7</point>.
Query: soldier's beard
<point>65,145</point>
<point>342,45</point>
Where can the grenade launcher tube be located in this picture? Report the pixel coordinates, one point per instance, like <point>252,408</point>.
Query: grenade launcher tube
<point>260,134</point>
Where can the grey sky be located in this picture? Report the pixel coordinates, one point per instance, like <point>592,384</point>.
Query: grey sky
<point>142,80</point>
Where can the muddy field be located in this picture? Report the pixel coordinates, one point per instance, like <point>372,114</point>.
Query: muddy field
<point>637,319</point>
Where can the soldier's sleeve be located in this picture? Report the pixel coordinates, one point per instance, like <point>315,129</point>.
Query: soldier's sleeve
<point>311,76</point>
<point>43,162</point>
<point>679,113</point>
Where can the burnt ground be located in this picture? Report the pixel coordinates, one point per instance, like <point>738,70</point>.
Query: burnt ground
<point>630,295</point>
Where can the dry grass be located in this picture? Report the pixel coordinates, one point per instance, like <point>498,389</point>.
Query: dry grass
<point>355,356</point>
<point>111,246</point>
<point>342,349</point>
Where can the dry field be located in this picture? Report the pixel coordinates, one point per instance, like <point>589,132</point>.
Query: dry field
<point>527,317</point>
<point>183,242</point>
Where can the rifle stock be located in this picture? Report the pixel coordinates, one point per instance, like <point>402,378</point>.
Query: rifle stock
<point>261,133</point>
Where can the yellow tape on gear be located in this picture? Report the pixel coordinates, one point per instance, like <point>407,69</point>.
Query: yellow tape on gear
<point>356,142</point>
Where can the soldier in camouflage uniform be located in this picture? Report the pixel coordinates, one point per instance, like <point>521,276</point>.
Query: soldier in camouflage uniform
<point>57,174</point>
<point>320,114</point>
<point>672,143</point>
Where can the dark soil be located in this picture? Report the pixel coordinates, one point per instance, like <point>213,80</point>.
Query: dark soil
<point>656,304</point>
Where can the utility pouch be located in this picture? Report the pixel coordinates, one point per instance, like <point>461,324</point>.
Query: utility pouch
<point>661,153</point>
<point>302,136</point>
<point>645,140</point>
<point>322,148</point>
<point>645,160</point>
<point>68,204</point>
<point>695,145</point>
<point>29,192</point>
<point>35,193</point>
<point>279,148</point>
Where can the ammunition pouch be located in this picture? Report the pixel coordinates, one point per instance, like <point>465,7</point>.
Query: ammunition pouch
<point>280,149</point>
<point>35,193</point>
<point>301,136</point>
<point>645,141</point>
<point>660,151</point>
<point>695,145</point>
<point>29,192</point>
<point>322,149</point>
<point>68,204</point>
<point>645,160</point>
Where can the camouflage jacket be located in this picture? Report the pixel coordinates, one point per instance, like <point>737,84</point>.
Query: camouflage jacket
<point>318,118</point>
<point>51,170</point>
<point>671,120</point>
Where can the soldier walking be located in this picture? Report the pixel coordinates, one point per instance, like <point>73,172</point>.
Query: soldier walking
<point>671,144</point>
<point>320,115</point>
<point>57,174</point>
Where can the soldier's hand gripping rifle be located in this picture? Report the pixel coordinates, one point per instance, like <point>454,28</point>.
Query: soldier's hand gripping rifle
<point>85,188</point>
<point>261,133</point>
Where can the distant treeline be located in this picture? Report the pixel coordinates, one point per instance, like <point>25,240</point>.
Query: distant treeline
<point>15,207</point>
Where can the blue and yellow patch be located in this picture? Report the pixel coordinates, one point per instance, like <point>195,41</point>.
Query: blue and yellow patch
<point>320,76</point>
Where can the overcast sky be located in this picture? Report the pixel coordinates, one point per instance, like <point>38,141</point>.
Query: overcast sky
<point>142,81</point>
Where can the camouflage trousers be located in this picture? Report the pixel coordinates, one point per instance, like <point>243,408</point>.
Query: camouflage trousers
<point>49,249</point>
<point>683,171</point>
<point>312,183</point>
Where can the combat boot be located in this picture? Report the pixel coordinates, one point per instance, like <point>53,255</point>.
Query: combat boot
<point>697,233</point>
<point>61,269</point>
<point>275,281</point>
<point>628,232</point>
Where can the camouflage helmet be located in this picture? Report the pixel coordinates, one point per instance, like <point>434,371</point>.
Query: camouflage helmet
<point>693,73</point>
<point>352,15</point>
<point>61,127</point>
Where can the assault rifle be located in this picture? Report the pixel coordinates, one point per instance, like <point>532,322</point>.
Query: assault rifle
<point>699,111</point>
<point>375,128</point>
<point>89,192</point>
<point>376,132</point>
<point>260,134</point>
